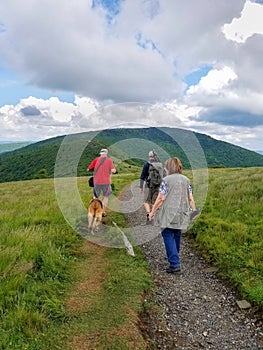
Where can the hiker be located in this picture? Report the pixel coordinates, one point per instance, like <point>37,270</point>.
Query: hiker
<point>150,181</point>
<point>172,210</point>
<point>103,168</point>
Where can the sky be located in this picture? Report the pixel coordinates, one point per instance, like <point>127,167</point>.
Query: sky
<point>74,66</point>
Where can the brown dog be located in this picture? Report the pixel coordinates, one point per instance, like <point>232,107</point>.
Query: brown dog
<point>95,212</point>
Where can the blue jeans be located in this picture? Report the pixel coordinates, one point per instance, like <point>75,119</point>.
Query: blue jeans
<point>172,240</point>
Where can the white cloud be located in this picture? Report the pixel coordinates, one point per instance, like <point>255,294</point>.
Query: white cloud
<point>87,114</point>
<point>249,23</point>
<point>83,53</point>
<point>53,117</point>
<point>213,82</point>
<point>143,55</point>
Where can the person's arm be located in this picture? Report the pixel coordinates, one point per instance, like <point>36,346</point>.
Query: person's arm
<point>144,174</point>
<point>191,198</point>
<point>92,165</point>
<point>159,201</point>
<point>191,201</point>
<point>112,167</point>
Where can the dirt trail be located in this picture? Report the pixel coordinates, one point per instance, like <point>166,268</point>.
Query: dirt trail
<point>89,281</point>
<point>198,310</point>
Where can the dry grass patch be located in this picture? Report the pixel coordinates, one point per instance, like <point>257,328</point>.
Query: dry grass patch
<point>90,275</point>
<point>85,342</point>
<point>130,334</point>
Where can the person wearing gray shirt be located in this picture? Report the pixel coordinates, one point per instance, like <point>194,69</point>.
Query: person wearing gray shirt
<point>172,210</point>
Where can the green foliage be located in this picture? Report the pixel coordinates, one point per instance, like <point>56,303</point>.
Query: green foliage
<point>42,174</point>
<point>27,163</point>
<point>229,230</point>
<point>37,246</point>
<point>39,253</point>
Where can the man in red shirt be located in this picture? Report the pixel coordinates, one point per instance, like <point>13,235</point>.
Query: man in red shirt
<point>103,168</point>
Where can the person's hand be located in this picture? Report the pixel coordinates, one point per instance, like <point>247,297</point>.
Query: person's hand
<point>151,215</point>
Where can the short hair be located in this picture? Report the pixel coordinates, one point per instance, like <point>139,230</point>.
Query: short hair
<point>174,166</point>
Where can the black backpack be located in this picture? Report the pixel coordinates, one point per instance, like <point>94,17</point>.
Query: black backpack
<point>155,174</point>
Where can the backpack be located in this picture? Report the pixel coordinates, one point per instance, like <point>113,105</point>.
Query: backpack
<point>155,174</point>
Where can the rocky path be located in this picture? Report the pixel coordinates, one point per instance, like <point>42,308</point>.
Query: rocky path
<point>197,309</point>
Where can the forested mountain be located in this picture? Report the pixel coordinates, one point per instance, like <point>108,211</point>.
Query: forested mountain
<point>38,159</point>
<point>11,146</point>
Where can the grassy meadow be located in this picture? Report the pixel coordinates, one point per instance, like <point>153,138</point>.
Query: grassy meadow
<point>229,231</point>
<point>59,291</point>
<point>55,286</point>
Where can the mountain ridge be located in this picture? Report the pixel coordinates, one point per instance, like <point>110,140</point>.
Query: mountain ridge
<point>38,159</point>
<point>9,146</point>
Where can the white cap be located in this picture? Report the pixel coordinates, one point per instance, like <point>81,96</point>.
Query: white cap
<point>104,151</point>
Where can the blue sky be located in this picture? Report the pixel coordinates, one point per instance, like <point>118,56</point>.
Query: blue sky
<point>13,89</point>
<point>69,67</point>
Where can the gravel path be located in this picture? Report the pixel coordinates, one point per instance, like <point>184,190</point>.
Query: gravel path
<point>197,309</point>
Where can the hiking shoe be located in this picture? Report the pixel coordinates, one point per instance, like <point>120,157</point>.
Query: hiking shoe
<point>148,222</point>
<point>171,269</point>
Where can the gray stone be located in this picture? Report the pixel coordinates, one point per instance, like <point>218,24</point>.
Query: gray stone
<point>211,269</point>
<point>243,304</point>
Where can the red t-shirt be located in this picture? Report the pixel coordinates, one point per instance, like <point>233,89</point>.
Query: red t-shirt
<point>102,176</point>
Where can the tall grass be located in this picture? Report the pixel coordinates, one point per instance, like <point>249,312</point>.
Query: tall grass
<point>229,230</point>
<point>36,248</point>
<point>40,253</point>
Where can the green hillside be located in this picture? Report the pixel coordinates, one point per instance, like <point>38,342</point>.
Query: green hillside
<point>11,146</point>
<point>37,160</point>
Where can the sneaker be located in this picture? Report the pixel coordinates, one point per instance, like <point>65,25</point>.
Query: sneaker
<point>171,269</point>
<point>148,222</point>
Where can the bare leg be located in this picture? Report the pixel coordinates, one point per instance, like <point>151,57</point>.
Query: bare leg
<point>105,203</point>
<point>147,207</point>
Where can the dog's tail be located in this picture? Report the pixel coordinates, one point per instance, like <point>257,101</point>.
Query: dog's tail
<point>95,211</point>
<point>97,204</point>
